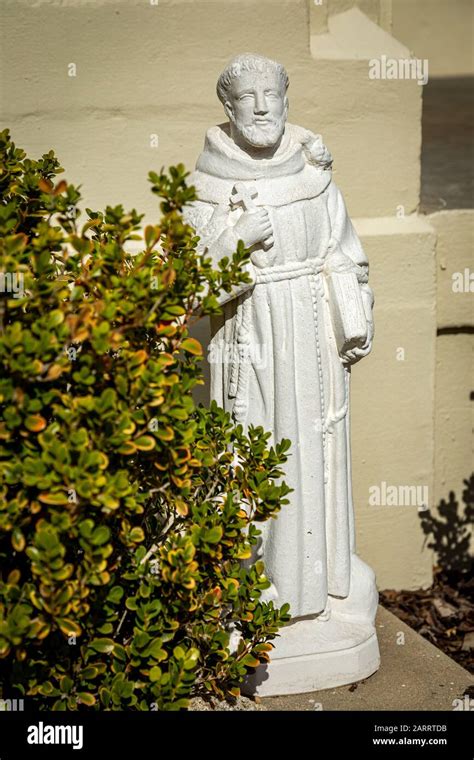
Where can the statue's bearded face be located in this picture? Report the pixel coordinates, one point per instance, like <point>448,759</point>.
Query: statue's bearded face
<point>258,107</point>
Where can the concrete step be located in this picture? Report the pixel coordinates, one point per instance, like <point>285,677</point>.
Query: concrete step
<point>414,675</point>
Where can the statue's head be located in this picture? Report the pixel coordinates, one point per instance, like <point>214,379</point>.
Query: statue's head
<point>252,90</point>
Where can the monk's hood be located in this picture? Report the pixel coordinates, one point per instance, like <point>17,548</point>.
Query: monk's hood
<point>293,174</point>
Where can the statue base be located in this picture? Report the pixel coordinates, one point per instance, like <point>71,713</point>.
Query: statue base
<point>310,655</point>
<point>320,651</point>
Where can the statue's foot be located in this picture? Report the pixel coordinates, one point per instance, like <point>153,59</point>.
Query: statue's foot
<point>361,604</point>
<point>325,615</point>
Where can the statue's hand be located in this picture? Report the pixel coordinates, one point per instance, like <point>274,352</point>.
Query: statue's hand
<point>353,355</point>
<point>253,227</point>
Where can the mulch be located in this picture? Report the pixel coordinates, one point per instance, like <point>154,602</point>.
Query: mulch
<point>443,614</point>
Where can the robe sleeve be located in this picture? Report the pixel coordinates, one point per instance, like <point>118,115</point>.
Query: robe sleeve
<point>345,250</point>
<point>217,239</point>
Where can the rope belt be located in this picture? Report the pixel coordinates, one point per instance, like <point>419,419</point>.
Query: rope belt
<point>288,271</point>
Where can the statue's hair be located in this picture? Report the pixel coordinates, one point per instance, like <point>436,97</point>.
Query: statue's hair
<point>248,62</point>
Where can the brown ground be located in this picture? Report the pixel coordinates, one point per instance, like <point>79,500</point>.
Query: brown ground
<point>443,614</point>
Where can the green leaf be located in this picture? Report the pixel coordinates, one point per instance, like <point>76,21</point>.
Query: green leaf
<point>105,646</point>
<point>155,650</point>
<point>115,594</point>
<point>18,540</point>
<point>46,689</point>
<point>136,535</point>
<point>86,698</point>
<point>192,346</point>
<point>250,661</point>
<point>192,658</point>
<point>145,443</point>
<point>155,673</point>
<point>69,627</point>
<point>65,684</point>
<point>60,497</point>
<point>213,535</point>
<point>89,673</point>
<point>100,535</point>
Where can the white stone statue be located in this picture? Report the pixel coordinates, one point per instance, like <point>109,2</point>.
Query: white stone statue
<point>281,356</point>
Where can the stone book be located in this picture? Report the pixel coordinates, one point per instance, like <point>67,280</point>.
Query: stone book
<point>347,310</point>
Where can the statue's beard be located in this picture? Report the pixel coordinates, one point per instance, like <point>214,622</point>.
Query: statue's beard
<point>262,135</point>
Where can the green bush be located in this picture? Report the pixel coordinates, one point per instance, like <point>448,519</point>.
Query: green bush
<point>125,509</point>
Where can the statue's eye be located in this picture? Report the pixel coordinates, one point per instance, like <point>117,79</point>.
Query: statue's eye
<point>246,96</point>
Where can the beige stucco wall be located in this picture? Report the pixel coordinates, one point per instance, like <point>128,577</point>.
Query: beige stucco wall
<point>454,417</point>
<point>439,30</point>
<point>379,11</point>
<point>393,398</point>
<point>145,70</point>
<point>454,254</point>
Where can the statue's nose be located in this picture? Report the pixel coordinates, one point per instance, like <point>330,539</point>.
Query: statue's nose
<point>260,104</point>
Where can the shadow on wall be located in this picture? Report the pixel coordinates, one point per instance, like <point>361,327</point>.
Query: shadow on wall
<point>444,612</point>
<point>450,531</point>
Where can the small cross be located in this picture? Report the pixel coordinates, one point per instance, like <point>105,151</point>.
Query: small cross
<point>244,196</point>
